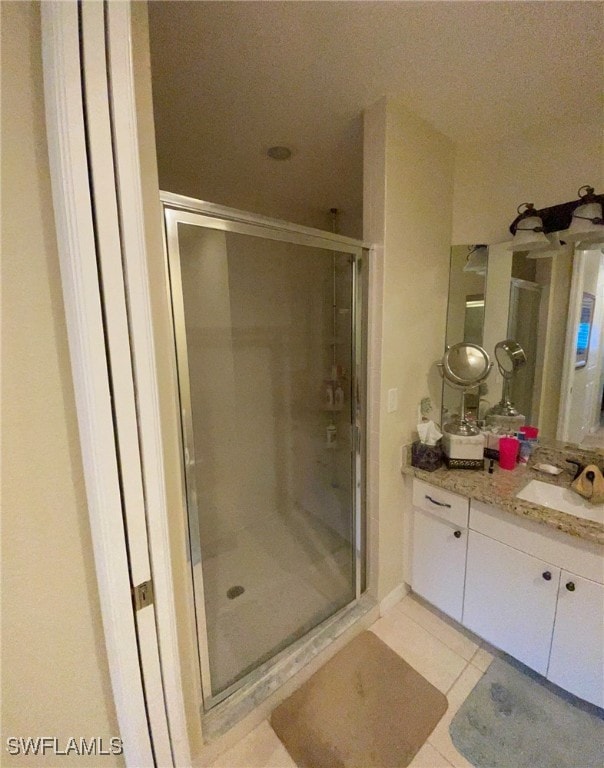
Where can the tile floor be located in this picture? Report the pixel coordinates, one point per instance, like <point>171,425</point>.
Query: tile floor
<point>452,659</point>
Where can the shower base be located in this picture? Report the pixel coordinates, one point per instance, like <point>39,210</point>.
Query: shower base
<point>268,584</point>
<point>268,685</point>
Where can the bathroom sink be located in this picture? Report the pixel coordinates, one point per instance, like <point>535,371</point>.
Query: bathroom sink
<point>562,499</point>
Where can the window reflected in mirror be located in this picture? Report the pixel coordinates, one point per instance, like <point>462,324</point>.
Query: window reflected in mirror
<point>474,318</point>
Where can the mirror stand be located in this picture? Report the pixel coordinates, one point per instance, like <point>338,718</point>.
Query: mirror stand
<point>460,425</point>
<point>505,407</point>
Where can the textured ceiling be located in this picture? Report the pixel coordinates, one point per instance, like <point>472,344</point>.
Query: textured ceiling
<point>233,78</point>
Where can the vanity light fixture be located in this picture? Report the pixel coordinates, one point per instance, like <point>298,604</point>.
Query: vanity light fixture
<point>528,231</point>
<point>587,224</point>
<point>547,251</point>
<point>476,260</point>
<point>576,221</point>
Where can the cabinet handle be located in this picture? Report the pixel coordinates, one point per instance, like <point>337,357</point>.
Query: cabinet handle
<point>457,534</point>
<point>547,575</point>
<point>570,585</point>
<point>438,503</point>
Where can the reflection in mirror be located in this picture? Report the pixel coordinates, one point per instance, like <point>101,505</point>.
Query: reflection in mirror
<point>539,303</point>
<point>581,406</point>
<point>465,315</point>
<point>474,319</point>
<point>510,359</point>
<point>523,326</point>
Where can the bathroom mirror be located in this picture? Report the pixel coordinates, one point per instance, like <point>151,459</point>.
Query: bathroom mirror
<point>536,302</point>
<point>465,314</point>
<point>465,365</point>
<point>467,281</point>
<point>510,357</point>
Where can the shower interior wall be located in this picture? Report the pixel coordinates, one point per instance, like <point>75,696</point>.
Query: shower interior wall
<point>257,418</point>
<point>273,493</point>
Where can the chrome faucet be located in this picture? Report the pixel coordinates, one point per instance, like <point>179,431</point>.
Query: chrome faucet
<point>580,467</point>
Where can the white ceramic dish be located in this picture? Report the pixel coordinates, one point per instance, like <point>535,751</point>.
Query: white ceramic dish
<point>549,469</point>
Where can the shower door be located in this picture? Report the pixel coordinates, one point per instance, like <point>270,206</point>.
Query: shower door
<point>268,350</point>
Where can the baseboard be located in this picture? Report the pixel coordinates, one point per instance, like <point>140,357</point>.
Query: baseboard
<point>394,597</point>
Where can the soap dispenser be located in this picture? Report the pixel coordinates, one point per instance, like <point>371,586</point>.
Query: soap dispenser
<point>590,484</point>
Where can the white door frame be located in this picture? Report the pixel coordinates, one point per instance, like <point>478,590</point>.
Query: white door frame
<point>125,489</point>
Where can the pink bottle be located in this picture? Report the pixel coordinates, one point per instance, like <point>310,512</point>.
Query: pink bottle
<point>508,452</point>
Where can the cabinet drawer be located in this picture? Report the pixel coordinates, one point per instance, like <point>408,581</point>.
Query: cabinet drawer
<point>585,558</point>
<point>444,504</point>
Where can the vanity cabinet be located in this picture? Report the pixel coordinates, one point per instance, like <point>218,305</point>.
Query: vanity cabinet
<point>510,600</point>
<point>440,534</point>
<point>439,558</point>
<point>533,592</point>
<point>577,657</point>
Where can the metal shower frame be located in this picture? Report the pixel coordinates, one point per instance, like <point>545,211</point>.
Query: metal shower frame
<point>181,209</point>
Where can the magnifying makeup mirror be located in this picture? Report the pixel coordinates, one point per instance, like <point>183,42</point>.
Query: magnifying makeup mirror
<point>464,366</point>
<point>510,357</point>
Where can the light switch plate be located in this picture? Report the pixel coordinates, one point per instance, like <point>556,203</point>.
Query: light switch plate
<point>392,400</point>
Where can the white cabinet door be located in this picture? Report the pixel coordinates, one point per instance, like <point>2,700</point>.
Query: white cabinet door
<point>577,659</point>
<point>510,600</point>
<point>439,560</point>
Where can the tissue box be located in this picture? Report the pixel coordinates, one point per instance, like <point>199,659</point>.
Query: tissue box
<point>428,457</point>
<point>463,452</point>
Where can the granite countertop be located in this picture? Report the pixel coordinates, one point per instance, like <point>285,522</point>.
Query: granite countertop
<point>500,489</point>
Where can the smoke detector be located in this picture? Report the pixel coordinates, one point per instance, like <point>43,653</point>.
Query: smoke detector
<point>279,153</point>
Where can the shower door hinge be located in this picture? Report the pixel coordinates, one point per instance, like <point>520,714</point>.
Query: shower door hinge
<point>142,595</point>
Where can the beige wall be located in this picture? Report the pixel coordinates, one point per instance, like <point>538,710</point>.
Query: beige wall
<point>219,155</point>
<point>415,229</point>
<point>374,197</point>
<point>55,679</point>
<point>544,167</point>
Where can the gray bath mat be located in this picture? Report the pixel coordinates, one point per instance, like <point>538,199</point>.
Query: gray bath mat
<point>515,719</point>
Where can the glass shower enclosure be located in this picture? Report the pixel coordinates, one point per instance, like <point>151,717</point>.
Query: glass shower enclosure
<point>270,354</point>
